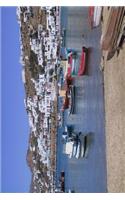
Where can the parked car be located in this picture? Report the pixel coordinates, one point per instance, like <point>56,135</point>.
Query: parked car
<point>83,61</point>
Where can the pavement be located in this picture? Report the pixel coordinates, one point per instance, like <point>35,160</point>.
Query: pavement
<point>85,175</point>
<point>114,87</point>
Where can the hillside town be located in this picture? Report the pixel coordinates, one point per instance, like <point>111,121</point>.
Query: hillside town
<point>44,41</point>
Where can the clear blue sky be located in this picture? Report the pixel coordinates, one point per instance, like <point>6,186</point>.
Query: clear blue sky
<point>16,175</point>
<point>0,100</point>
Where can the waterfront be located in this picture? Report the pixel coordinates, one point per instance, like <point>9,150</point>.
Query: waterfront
<point>87,175</point>
<point>73,76</point>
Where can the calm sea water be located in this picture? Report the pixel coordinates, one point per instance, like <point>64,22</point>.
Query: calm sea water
<point>85,175</point>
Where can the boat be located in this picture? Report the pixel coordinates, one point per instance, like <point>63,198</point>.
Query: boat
<point>95,16</point>
<point>77,147</point>
<point>83,61</point>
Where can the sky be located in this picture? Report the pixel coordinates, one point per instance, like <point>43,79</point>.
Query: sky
<point>16,175</point>
<point>0,100</point>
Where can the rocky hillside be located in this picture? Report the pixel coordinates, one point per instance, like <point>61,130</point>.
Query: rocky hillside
<point>39,44</point>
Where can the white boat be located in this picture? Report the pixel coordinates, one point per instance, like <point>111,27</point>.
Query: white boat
<point>77,148</point>
<point>97,16</point>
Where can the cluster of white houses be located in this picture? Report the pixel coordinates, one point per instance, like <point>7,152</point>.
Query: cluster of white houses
<point>27,12</point>
<point>44,43</point>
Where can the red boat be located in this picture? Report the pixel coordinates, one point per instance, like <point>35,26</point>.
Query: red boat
<point>69,71</point>
<point>83,61</point>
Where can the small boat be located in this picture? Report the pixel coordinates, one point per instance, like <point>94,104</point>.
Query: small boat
<point>95,16</point>
<point>83,62</point>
